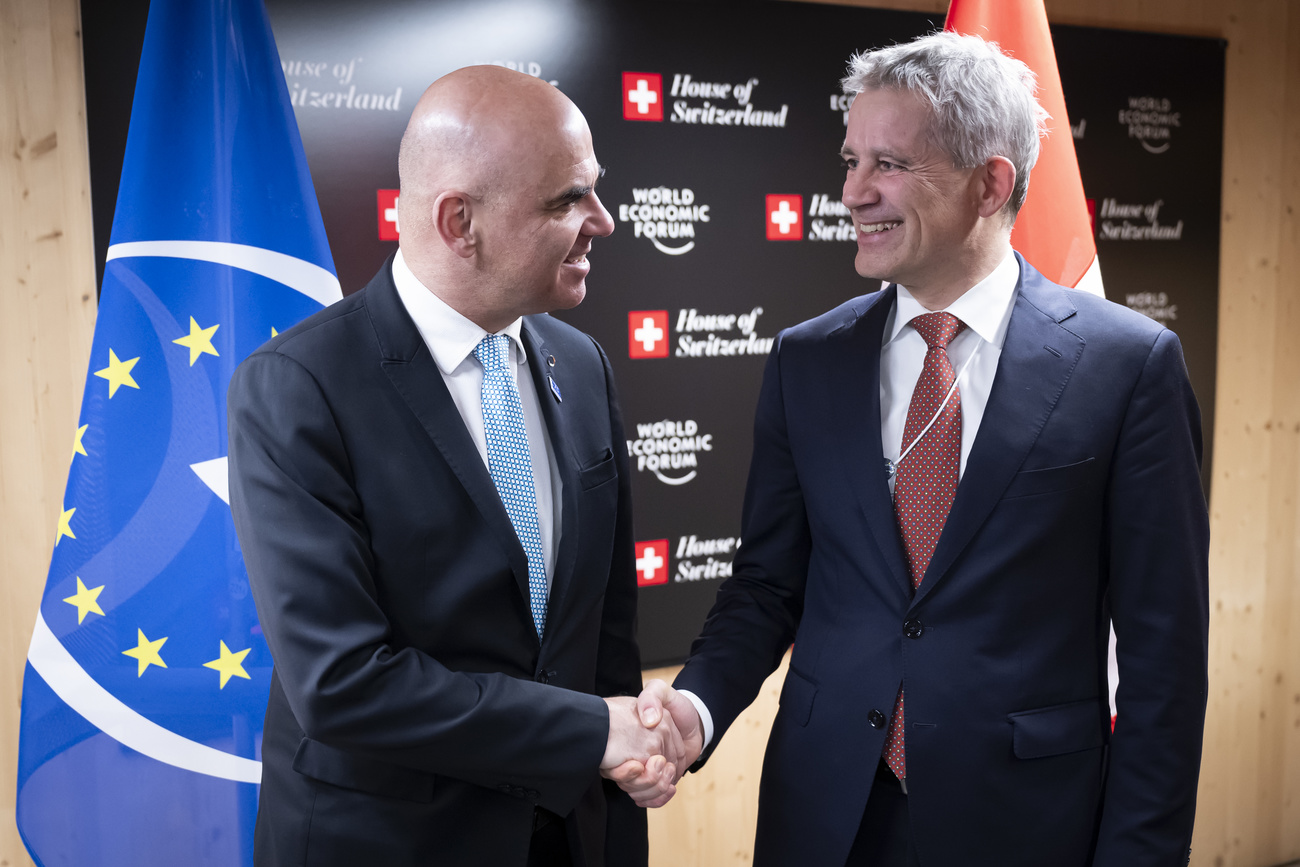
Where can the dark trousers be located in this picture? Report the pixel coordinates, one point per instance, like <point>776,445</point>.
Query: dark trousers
<point>550,846</point>
<point>884,836</point>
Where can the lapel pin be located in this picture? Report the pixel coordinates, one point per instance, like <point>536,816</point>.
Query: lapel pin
<point>550,359</point>
<point>555,389</point>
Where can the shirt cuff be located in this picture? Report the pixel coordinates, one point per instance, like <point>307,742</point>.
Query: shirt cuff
<point>706,719</point>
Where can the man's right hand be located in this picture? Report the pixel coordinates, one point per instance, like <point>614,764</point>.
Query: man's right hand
<point>652,782</point>
<point>660,702</point>
<point>642,759</point>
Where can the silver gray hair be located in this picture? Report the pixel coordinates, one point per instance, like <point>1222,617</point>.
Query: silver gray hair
<point>983,101</point>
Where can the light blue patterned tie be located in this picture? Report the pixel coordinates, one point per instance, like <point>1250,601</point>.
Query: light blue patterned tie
<point>509,461</point>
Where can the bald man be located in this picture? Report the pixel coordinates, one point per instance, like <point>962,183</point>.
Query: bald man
<point>430,485</point>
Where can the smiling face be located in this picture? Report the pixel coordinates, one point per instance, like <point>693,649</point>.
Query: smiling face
<point>498,203</point>
<point>917,216</point>
<point>537,226</point>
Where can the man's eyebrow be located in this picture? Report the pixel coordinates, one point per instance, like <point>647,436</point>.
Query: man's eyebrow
<point>576,194</point>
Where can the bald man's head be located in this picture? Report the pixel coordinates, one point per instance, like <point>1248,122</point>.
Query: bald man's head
<point>497,207</point>
<point>469,131</point>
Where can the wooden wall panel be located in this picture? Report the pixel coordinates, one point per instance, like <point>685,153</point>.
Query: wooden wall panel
<point>712,819</point>
<point>1249,814</point>
<point>47,310</point>
<point>1242,818</point>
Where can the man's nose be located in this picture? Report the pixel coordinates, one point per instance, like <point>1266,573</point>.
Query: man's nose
<point>599,222</point>
<point>859,189</point>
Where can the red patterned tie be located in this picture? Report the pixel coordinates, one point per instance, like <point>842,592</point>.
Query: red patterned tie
<point>927,476</point>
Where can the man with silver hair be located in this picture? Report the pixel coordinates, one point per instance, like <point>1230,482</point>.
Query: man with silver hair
<point>957,483</point>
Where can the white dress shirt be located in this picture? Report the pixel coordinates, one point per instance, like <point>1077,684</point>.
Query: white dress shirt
<point>986,310</point>
<point>451,339</point>
<point>974,353</point>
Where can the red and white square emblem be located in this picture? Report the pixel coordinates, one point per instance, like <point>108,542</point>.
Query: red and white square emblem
<point>652,563</point>
<point>388,215</point>
<point>647,334</point>
<point>784,218</point>
<point>643,96</point>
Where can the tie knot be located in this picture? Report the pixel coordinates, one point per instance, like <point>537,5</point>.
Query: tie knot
<point>493,351</point>
<point>937,329</point>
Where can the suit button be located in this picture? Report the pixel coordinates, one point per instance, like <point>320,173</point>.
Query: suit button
<point>877,719</point>
<point>913,629</point>
<point>543,677</point>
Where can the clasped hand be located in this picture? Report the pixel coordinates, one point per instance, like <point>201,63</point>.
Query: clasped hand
<point>653,739</point>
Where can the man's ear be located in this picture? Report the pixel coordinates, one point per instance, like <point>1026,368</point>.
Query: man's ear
<point>998,178</point>
<point>453,221</point>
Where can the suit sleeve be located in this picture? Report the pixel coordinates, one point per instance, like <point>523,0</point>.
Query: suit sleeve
<point>307,549</point>
<point>1157,535</point>
<point>757,610</point>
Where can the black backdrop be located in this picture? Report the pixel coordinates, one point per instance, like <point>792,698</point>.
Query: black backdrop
<point>695,251</point>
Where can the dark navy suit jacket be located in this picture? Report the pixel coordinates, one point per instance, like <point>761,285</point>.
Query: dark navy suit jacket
<point>1081,501</point>
<point>415,718</point>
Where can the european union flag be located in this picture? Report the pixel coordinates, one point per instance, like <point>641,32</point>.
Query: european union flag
<point>147,677</point>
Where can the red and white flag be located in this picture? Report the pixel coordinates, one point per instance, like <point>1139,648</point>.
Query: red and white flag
<point>1053,230</point>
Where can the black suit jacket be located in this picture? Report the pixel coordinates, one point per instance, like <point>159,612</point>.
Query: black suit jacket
<point>414,716</point>
<point>1081,501</point>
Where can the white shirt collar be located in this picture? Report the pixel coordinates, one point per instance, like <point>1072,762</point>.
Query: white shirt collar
<point>450,336</point>
<point>985,307</point>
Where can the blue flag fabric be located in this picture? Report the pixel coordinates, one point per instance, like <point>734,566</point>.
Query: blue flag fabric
<point>147,676</point>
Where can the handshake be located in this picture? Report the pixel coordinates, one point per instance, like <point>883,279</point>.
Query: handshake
<point>653,739</point>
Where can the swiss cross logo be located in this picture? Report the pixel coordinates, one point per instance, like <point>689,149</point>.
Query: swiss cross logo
<point>652,563</point>
<point>643,96</point>
<point>784,218</point>
<point>388,215</point>
<point>647,334</point>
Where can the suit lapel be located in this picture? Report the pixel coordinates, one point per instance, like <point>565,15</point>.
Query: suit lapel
<point>548,379</point>
<point>856,360</point>
<point>415,376</point>
<point>1037,359</point>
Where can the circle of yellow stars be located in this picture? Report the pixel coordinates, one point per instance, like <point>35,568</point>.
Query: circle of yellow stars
<point>86,600</point>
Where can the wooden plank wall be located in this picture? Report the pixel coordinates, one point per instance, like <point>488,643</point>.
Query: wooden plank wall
<point>1249,813</point>
<point>47,313</point>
